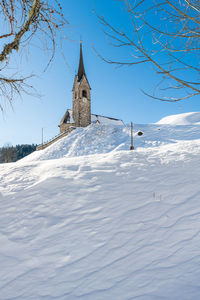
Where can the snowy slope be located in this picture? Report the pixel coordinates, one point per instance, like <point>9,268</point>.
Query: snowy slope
<point>192,118</point>
<point>77,223</point>
<point>97,139</point>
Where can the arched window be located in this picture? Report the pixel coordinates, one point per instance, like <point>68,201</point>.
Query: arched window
<point>75,95</point>
<point>84,93</point>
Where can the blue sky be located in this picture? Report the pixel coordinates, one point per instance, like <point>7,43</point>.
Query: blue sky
<point>116,91</point>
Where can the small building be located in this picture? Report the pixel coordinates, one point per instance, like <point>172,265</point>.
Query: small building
<point>80,115</point>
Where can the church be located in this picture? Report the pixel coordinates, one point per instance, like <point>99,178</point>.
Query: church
<point>80,115</point>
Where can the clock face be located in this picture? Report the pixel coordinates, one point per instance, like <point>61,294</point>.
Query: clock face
<point>84,99</point>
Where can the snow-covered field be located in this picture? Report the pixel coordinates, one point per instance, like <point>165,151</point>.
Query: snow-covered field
<point>89,219</point>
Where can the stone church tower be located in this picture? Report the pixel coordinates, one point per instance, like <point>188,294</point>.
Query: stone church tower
<point>81,96</point>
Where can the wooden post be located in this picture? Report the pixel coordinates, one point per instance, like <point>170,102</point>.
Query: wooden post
<point>131,147</point>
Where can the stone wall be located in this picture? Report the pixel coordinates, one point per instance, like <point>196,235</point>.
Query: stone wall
<point>65,126</point>
<point>81,103</point>
<point>85,113</point>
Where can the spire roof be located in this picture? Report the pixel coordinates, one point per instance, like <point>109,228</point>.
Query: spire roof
<point>81,70</point>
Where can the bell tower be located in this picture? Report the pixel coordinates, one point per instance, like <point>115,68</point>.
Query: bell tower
<point>81,96</point>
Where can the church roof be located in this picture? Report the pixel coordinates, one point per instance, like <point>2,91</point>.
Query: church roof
<point>81,69</point>
<point>105,120</point>
<point>68,118</point>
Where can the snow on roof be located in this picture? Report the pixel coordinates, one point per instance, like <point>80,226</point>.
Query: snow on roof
<point>71,116</point>
<point>105,120</point>
<point>95,119</point>
<point>191,118</point>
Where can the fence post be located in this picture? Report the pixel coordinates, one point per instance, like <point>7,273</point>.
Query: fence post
<point>131,147</point>
<point>42,138</point>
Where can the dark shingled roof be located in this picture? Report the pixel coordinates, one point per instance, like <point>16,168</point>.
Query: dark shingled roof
<point>81,70</point>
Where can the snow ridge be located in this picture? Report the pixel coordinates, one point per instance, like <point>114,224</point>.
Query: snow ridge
<point>192,118</point>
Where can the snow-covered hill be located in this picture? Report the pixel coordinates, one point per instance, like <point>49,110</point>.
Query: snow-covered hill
<point>97,139</point>
<point>192,118</point>
<point>87,218</point>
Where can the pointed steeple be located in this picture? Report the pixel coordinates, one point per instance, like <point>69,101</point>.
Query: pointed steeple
<point>81,70</point>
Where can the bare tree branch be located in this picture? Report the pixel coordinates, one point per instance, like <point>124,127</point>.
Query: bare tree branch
<point>24,20</point>
<point>167,35</point>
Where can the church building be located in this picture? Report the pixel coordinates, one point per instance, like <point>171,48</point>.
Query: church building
<point>80,115</point>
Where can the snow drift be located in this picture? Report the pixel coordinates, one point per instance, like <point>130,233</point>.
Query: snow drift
<point>192,118</point>
<point>88,219</point>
